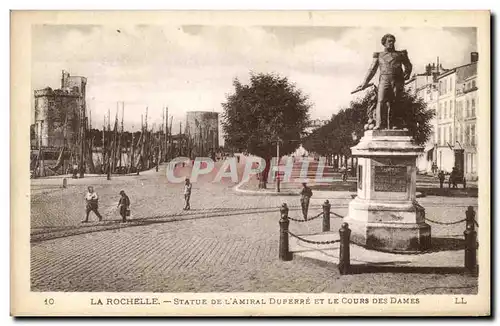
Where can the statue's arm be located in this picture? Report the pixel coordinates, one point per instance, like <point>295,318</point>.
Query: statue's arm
<point>407,65</point>
<point>371,71</point>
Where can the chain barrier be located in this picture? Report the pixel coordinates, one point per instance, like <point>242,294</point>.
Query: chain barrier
<point>311,241</point>
<point>309,219</point>
<point>446,223</point>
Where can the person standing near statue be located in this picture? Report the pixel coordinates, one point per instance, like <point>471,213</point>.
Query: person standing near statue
<point>391,84</point>
<point>305,196</point>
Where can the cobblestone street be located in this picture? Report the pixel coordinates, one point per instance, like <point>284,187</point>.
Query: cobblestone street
<point>228,242</point>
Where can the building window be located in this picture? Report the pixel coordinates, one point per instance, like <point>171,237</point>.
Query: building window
<point>439,136</point>
<point>450,139</point>
<point>440,112</point>
<point>473,84</point>
<point>451,109</point>
<point>473,107</point>
<point>467,133</point>
<point>450,85</point>
<point>445,110</point>
<point>445,86</point>
<point>467,108</point>
<point>456,134</point>
<point>473,135</point>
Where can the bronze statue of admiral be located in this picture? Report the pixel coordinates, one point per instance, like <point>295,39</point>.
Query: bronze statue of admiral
<point>391,84</point>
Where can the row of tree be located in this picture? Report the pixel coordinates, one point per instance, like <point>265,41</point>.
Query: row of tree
<point>347,126</point>
<point>271,110</point>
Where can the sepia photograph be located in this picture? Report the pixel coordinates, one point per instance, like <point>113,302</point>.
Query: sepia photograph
<point>245,163</point>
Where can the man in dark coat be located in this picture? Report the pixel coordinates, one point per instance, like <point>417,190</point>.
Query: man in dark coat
<point>305,196</point>
<point>124,205</point>
<point>441,178</point>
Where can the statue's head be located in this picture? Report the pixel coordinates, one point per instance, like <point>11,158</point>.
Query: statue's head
<point>388,41</point>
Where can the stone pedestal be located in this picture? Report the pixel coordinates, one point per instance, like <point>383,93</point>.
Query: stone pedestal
<point>385,215</point>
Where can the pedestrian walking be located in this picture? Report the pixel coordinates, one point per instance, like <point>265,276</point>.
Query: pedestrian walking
<point>75,171</point>
<point>92,201</point>
<point>187,194</point>
<point>124,205</point>
<point>344,175</point>
<point>441,178</point>
<point>305,196</point>
<point>452,181</point>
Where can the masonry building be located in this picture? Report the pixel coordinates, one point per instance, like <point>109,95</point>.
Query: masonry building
<point>58,112</point>
<point>452,95</point>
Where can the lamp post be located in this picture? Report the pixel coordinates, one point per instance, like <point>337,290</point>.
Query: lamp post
<point>354,139</point>
<point>278,165</point>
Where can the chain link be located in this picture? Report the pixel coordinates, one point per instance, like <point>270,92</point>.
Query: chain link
<point>309,219</point>
<point>313,242</point>
<point>446,223</point>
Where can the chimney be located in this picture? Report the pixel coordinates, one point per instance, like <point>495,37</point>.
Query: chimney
<point>428,69</point>
<point>474,57</point>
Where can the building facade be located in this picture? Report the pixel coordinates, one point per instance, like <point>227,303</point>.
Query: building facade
<point>467,103</point>
<point>315,124</point>
<point>202,130</point>
<point>445,116</point>
<point>452,95</point>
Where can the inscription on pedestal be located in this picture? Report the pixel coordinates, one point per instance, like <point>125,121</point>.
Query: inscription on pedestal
<point>390,178</point>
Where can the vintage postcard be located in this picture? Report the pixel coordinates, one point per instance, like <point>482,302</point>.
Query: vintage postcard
<point>272,163</point>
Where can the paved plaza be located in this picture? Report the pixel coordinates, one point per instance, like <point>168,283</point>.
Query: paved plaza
<point>227,242</point>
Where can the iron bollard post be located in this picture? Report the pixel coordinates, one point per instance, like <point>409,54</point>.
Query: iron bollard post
<point>284,250</point>
<point>470,215</point>
<point>65,183</point>
<point>326,216</point>
<point>345,254</point>
<point>470,249</point>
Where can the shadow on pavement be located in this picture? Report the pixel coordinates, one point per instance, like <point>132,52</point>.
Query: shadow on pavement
<point>372,268</point>
<point>349,186</point>
<point>447,244</point>
<point>448,192</point>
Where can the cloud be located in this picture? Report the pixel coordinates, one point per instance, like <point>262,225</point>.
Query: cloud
<point>193,68</point>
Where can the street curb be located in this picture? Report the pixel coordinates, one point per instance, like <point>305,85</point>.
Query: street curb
<point>322,194</point>
<point>261,193</point>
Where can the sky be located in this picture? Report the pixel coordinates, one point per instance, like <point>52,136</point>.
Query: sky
<point>191,68</point>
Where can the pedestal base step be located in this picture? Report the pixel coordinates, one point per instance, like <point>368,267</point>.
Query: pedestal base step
<point>391,237</point>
